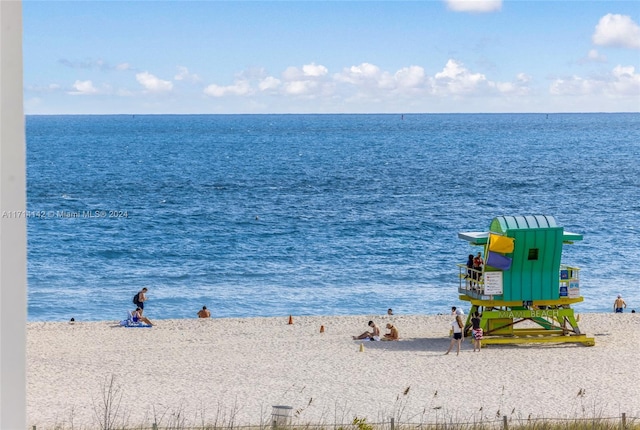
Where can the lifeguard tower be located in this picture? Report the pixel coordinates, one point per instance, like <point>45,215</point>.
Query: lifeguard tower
<point>523,291</point>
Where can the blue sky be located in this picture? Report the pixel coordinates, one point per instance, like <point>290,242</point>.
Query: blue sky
<point>111,57</point>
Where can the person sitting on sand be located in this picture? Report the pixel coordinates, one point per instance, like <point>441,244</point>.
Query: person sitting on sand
<point>204,313</point>
<point>619,305</point>
<point>136,316</point>
<point>393,333</point>
<point>374,334</point>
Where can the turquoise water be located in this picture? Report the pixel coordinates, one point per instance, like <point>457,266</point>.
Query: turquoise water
<point>269,215</point>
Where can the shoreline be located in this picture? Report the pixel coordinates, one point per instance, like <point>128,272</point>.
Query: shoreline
<point>214,317</point>
<point>234,370</point>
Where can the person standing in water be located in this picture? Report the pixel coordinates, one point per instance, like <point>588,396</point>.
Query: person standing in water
<point>619,305</point>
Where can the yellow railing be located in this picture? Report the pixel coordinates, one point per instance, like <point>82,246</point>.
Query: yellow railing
<point>470,279</point>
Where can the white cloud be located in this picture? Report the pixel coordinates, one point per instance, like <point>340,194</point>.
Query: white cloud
<point>51,88</point>
<point>364,73</point>
<point>617,30</point>
<point>575,85</point>
<point>314,70</point>
<point>153,84</point>
<point>299,88</point>
<point>410,77</point>
<point>184,75</point>
<point>594,56</point>
<point>83,88</point>
<point>269,83</point>
<point>474,5</point>
<point>623,81</point>
<point>457,79</point>
<point>239,88</point>
<point>308,71</point>
<point>98,64</point>
<point>369,76</point>
<point>367,81</point>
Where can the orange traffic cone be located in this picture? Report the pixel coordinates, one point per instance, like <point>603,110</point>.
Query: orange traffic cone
<point>290,319</point>
<point>321,329</point>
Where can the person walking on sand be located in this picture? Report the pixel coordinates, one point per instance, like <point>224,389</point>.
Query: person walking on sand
<point>142,297</point>
<point>619,305</point>
<point>457,325</point>
<point>393,333</point>
<point>204,313</point>
<point>374,334</point>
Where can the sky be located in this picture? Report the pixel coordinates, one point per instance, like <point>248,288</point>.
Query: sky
<point>261,57</point>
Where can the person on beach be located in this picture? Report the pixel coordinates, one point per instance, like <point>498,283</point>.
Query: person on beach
<point>619,305</point>
<point>393,333</point>
<point>136,316</point>
<point>478,262</point>
<point>204,313</point>
<point>457,326</point>
<point>142,297</point>
<point>470,274</point>
<point>476,331</point>
<point>374,334</point>
<point>389,311</point>
<point>456,311</point>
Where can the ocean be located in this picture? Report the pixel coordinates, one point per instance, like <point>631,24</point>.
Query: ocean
<point>278,215</point>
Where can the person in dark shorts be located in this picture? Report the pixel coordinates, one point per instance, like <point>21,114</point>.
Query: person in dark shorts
<point>142,297</point>
<point>619,304</point>
<point>457,327</point>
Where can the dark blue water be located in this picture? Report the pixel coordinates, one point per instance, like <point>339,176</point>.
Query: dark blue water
<point>271,215</point>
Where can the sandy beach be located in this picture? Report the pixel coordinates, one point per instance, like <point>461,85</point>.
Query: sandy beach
<point>234,370</point>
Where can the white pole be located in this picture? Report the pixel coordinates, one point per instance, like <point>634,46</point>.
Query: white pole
<point>13,226</point>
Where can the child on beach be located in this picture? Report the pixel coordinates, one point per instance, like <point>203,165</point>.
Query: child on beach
<point>458,335</point>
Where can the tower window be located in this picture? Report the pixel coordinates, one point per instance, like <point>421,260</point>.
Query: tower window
<point>533,254</point>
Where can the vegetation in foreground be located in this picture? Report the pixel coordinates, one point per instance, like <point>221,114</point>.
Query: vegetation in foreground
<point>109,415</point>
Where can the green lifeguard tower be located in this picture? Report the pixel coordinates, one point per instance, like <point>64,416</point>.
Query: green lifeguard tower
<point>523,291</point>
